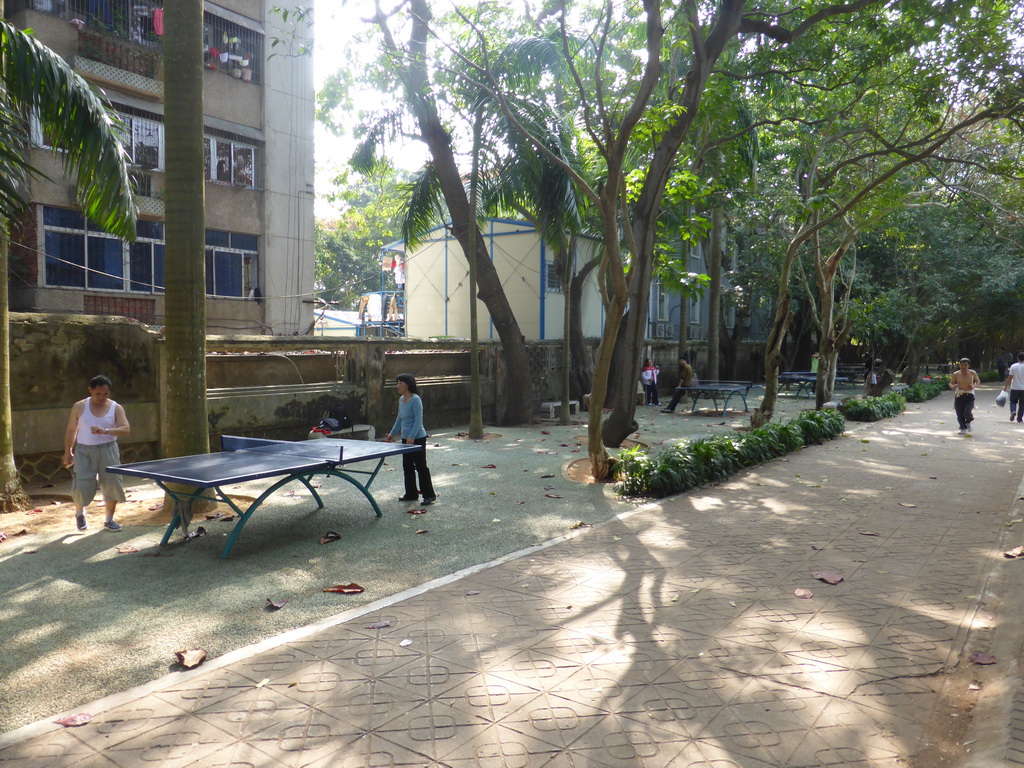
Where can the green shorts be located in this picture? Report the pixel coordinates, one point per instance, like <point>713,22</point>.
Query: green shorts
<point>91,461</point>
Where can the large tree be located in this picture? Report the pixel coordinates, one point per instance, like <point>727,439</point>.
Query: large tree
<point>411,64</point>
<point>35,79</point>
<point>185,198</point>
<point>638,82</point>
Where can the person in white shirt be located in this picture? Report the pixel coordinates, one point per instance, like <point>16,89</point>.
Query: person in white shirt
<point>90,446</point>
<point>1015,384</point>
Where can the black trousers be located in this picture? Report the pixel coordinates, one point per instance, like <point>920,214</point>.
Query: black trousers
<point>964,407</point>
<point>414,464</point>
<point>1017,403</point>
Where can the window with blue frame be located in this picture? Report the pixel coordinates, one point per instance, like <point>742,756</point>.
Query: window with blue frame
<point>80,254</point>
<point>552,280</point>
<point>230,263</point>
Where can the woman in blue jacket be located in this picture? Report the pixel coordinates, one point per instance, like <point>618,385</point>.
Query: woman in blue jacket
<point>409,427</point>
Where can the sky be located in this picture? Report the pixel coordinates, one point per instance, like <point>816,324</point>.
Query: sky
<point>336,27</point>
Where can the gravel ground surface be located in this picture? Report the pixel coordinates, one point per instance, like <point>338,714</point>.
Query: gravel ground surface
<point>80,619</point>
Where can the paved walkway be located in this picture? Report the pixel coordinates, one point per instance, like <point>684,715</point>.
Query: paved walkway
<point>670,637</point>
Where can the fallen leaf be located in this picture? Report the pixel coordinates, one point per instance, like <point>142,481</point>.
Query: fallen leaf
<point>496,520</point>
<point>215,516</point>
<point>276,604</point>
<point>829,577</point>
<point>262,682</point>
<point>155,507</point>
<point>73,721</point>
<point>544,433</point>
<point>1015,552</point>
<point>190,659</point>
<point>127,550</point>
<point>422,530</point>
<point>579,524</point>
<point>473,592</point>
<point>868,533</point>
<point>816,548</point>
<point>196,534</point>
<point>549,487</point>
<point>544,477</point>
<point>416,511</point>
<point>379,625</point>
<point>489,466</point>
<point>345,589</point>
<point>552,496</point>
<point>330,536</point>
<point>908,504</point>
<point>406,643</point>
<point>227,518</point>
<point>803,594</point>
<point>34,512</point>
<point>977,657</point>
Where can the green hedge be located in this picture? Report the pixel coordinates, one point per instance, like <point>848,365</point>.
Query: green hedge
<point>874,408</point>
<point>920,391</point>
<point>688,465</point>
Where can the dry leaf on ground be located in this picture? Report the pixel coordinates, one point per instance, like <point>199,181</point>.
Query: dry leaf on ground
<point>276,604</point>
<point>803,594</point>
<point>330,536</point>
<point>190,659</point>
<point>1015,552</point>
<point>73,721</point>
<point>345,589</point>
<point>977,657</point>
<point>829,577</point>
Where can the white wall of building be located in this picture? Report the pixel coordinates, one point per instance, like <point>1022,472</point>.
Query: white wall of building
<point>288,177</point>
<point>437,286</point>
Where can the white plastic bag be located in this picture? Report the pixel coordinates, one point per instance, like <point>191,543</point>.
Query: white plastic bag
<point>1001,398</point>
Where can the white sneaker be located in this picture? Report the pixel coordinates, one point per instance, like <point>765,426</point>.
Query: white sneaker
<point>963,431</point>
<point>969,428</point>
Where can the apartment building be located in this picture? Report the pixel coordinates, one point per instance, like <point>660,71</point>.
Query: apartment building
<point>258,116</point>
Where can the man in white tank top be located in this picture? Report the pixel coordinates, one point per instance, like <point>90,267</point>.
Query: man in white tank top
<point>90,445</point>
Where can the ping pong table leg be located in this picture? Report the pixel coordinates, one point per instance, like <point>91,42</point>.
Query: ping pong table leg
<point>243,517</point>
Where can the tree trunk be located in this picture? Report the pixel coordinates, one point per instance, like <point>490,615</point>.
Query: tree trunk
<point>13,495</point>
<point>563,259</point>
<point>189,430</point>
<point>714,264</point>
<point>476,421</point>
<point>582,365</point>
<point>519,405</point>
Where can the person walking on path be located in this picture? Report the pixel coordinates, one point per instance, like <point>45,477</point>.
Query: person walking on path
<point>649,377</point>
<point>409,428</point>
<point>685,380</point>
<point>1015,383</point>
<point>1003,363</point>
<point>963,382</point>
<point>90,446</point>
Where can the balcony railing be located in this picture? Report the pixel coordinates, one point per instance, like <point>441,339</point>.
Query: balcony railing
<point>139,21</point>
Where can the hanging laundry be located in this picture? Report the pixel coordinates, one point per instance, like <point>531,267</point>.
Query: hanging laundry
<point>158,21</point>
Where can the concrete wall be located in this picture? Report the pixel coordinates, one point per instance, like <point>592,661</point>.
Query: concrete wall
<point>258,385</point>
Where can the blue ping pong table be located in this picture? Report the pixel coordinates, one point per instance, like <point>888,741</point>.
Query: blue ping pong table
<point>248,458</point>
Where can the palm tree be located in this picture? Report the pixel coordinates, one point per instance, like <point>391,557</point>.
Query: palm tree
<point>35,79</point>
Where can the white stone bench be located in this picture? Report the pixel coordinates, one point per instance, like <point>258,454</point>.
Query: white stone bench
<point>574,407</point>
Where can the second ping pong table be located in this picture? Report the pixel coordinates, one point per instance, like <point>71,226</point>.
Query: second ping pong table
<point>248,458</point>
